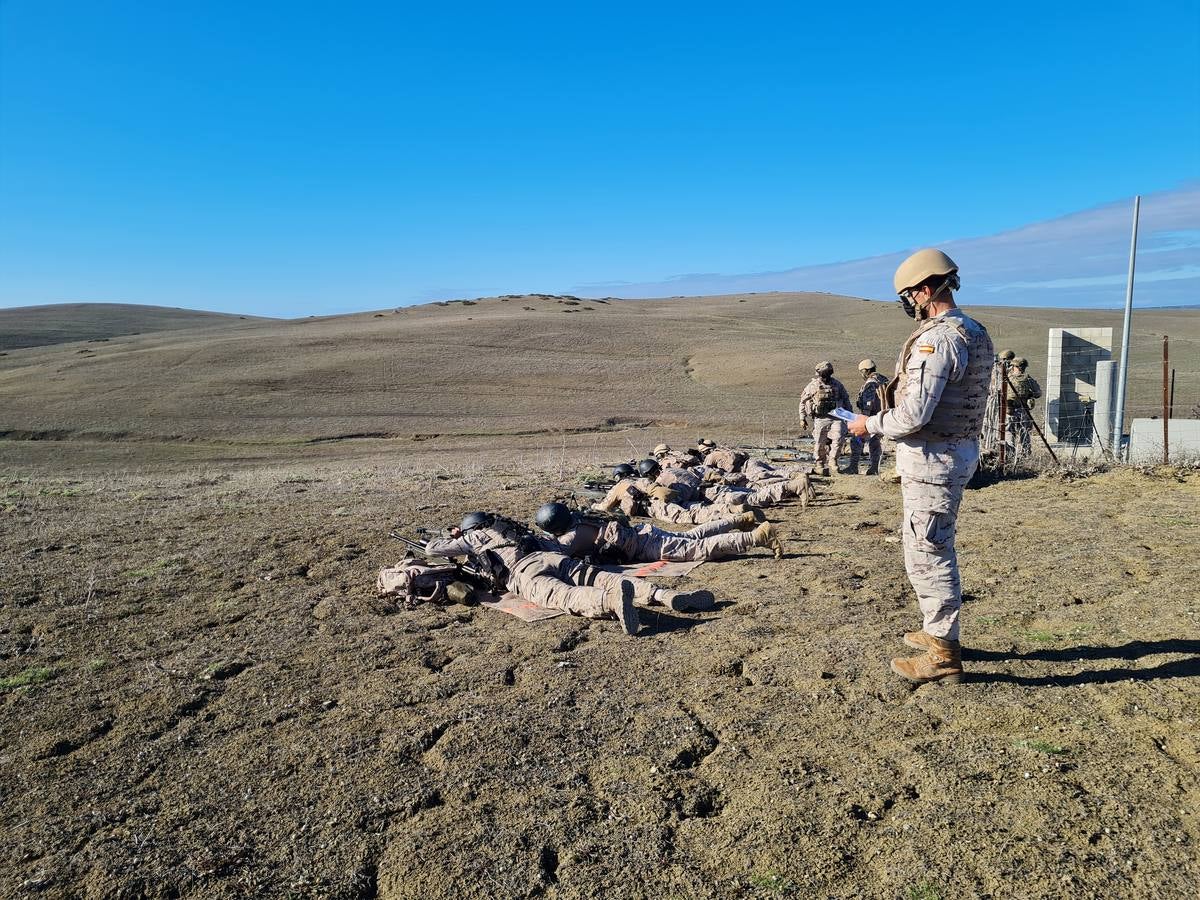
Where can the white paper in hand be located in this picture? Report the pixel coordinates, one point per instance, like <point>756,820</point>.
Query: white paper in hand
<point>844,414</point>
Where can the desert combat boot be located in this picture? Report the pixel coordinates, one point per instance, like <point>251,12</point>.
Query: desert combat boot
<point>802,487</point>
<point>618,600</point>
<point>749,520</point>
<point>685,601</point>
<point>765,536</point>
<point>942,661</point>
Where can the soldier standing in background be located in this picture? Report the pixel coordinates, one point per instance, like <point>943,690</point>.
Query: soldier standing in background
<point>942,386</point>
<point>869,402</point>
<point>1023,392</point>
<point>820,398</point>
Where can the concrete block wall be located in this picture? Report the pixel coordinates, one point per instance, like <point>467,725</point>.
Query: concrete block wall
<point>1070,390</point>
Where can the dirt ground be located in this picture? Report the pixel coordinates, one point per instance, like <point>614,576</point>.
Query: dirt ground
<point>202,696</point>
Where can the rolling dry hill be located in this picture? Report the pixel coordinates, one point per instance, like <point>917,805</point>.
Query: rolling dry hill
<point>506,366</point>
<point>61,323</point>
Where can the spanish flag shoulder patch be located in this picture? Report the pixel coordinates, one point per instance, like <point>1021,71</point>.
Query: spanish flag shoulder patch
<point>925,348</point>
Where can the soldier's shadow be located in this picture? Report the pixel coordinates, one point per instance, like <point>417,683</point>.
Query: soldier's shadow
<point>656,622</point>
<point>1179,668</point>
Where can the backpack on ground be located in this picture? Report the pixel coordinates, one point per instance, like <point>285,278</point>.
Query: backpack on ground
<point>413,582</point>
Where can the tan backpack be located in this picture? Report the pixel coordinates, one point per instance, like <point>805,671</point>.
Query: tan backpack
<point>413,582</point>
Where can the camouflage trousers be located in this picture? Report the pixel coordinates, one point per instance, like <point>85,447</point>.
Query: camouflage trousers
<point>930,521</point>
<point>827,432</point>
<point>694,513</point>
<point>559,582</point>
<point>874,449</point>
<point>712,540</point>
<point>1020,428</point>
<point>762,494</point>
<point>758,473</point>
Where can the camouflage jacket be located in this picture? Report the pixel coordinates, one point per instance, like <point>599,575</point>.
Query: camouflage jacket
<point>1023,386</point>
<point>941,391</point>
<point>870,395</point>
<point>818,393</point>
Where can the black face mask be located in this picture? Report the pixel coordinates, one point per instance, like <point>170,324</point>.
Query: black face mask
<point>909,309</point>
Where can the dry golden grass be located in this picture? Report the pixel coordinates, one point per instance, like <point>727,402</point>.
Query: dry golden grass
<point>507,366</point>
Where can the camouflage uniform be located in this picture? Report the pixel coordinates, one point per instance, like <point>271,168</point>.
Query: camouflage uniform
<point>1022,387</point>
<point>534,571</point>
<point>694,513</point>
<point>726,459</point>
<point>869,402</point>
<point>646,543</point>
<point>760,495</point>
<point>643,497</point>
<point>686,483</point>
<point>674,459</point>
<point>827,430</point>
<point>943,374</point>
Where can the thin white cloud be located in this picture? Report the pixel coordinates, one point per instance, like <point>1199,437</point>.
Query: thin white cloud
<point>1182,273</point>
<point>1081,258</point>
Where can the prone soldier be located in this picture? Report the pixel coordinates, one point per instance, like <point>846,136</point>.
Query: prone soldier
<point>582,536</point>
<point>538,571</point>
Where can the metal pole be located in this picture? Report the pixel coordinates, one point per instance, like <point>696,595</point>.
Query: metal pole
<point>1123,375</point>
<point>1166,406</point>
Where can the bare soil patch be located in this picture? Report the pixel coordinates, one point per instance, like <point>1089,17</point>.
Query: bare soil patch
<point>202,697</point>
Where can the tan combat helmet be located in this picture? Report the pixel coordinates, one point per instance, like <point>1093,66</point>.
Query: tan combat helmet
<point>917,269</point>
<point>706,444</point>
<point>867,365</point>
<point>922,265</point>
<point>660,450</point>
<point>825,367</point>
<point>1007,355</point>
<point>1019,362</point>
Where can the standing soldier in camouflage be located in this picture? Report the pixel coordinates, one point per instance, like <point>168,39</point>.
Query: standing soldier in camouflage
<point>940,394</point>
<point>820,398</point>
<point>1023,392</point>
<point>869,402</point>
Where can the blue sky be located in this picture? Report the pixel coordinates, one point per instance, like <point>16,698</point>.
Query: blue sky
<point>288,159</point>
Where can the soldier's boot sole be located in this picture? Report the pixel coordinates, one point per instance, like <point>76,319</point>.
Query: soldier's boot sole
<point>619,599</point>
<point>687,601</point>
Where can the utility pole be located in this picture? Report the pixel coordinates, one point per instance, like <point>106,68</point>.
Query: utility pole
<point>1166,405</point>
<point>1123,374</point>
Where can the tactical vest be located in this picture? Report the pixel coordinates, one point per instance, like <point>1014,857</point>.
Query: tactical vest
<point>874,393</point>
<point>959,413</point>
<point>503,534</point>
<point>825,400</point>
